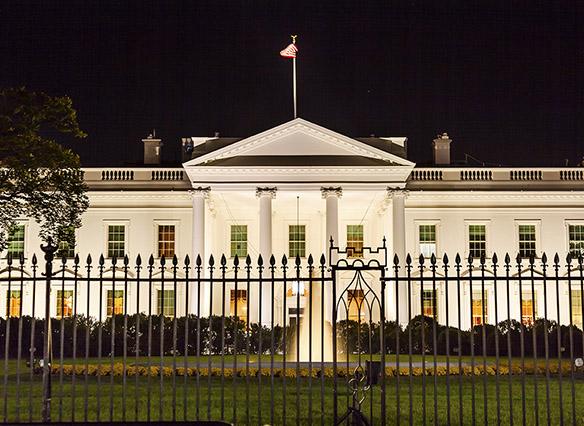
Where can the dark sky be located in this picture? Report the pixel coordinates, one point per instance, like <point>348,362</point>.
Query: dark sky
<point>504,79</point>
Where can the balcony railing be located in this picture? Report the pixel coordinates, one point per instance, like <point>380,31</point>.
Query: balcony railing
<point>498,175</point>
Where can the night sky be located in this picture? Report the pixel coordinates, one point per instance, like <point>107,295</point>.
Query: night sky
<point>504,79</point>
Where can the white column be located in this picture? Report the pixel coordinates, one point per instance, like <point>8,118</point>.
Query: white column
<point>265,196</point>
<point>398,197</point>
<point>199,194</point>
<point>332,195</point>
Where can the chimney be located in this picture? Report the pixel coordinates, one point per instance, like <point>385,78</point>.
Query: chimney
<point>187,149</point>
<point>441,146</point>
<point>152,147</point>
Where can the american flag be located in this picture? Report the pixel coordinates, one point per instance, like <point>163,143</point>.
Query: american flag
<point>289,51</point>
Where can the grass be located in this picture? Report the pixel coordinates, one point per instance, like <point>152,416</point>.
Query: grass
<point>243,400</point>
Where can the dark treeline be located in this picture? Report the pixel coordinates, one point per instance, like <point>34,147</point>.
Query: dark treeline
<point>217,334</point>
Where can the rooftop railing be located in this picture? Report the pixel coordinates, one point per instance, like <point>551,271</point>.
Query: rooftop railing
<point>497,174</point>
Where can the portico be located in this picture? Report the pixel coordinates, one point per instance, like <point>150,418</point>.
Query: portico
<point>283,189</point>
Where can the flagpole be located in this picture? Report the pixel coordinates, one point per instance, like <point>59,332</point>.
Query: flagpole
<point>294,85</point>
<point>294,79</point>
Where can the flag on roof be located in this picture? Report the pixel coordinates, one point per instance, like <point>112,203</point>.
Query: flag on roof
<point>289,51</point>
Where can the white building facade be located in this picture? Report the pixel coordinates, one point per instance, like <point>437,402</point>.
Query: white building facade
<point>288,191</point>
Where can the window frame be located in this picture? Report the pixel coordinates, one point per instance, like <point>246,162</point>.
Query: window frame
<point>8,304</point>
<point>306,232</point>
<point>25,242</point>
<point>436,310</point>
<point>355,254</point>
<point>107,224</point>
<point>356,298</point>
<point>240,306</point>
<point>486,224</point>
<point>572,293</point>
<point>485,307</point>
<point>569,223</point>
<point>57,305</point>
<point>231,225</point>
<point>106,297</point>
<point>158,289</point>
<point>76,247</point>
<point>417,224</point>
<point>155,236</point>
<point>537,225</point>
<point>525,289</point>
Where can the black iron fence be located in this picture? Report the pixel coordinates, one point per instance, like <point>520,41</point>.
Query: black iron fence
<point>348,340</point>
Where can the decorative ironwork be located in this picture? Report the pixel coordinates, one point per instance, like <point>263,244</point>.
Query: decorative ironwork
<point>192,341</point>
<point>358,300</point>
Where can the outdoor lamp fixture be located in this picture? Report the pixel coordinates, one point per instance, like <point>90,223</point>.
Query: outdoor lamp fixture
<point>297,287</point>
<point>579,362</point>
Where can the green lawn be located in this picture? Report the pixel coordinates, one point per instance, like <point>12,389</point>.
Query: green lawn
<point>241,401</point>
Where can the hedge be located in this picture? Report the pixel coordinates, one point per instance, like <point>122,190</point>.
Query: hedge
<point>155,371</point>
<point>219,335</point>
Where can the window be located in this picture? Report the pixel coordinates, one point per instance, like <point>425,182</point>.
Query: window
<point>427,237</point>
<point>16,241</point>
<point>165,303</point>
<point>115,302</point>
<point>477,240</point>
<point>64,303</point>
<point>354,241</point>
<point>479,304</point>
<point>356,305</point>
<point>577,308</point>
<point>297,240</point>
<point>241,298</point>
<point>13,303</point>
<point>116,240</point>
<point>527,241</point>
<point>238,240</point>
<point>429,307</point>
<point>576,237</point>
<point>528,308</point>
<point>166,242</point>
<point>67,249</point>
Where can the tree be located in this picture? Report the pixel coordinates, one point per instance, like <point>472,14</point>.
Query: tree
<point>39,178</point>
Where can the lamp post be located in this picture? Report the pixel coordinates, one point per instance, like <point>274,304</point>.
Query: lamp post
<point>49,251</point>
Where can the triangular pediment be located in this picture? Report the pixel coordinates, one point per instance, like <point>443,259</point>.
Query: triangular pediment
<point>298,142</point>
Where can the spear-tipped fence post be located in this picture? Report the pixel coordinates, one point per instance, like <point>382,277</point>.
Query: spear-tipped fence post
<point>49,251</point>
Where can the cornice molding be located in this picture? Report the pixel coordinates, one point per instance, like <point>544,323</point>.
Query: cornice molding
<point>293,170</point>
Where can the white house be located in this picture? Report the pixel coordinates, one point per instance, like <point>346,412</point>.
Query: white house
<point>292,188</point>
